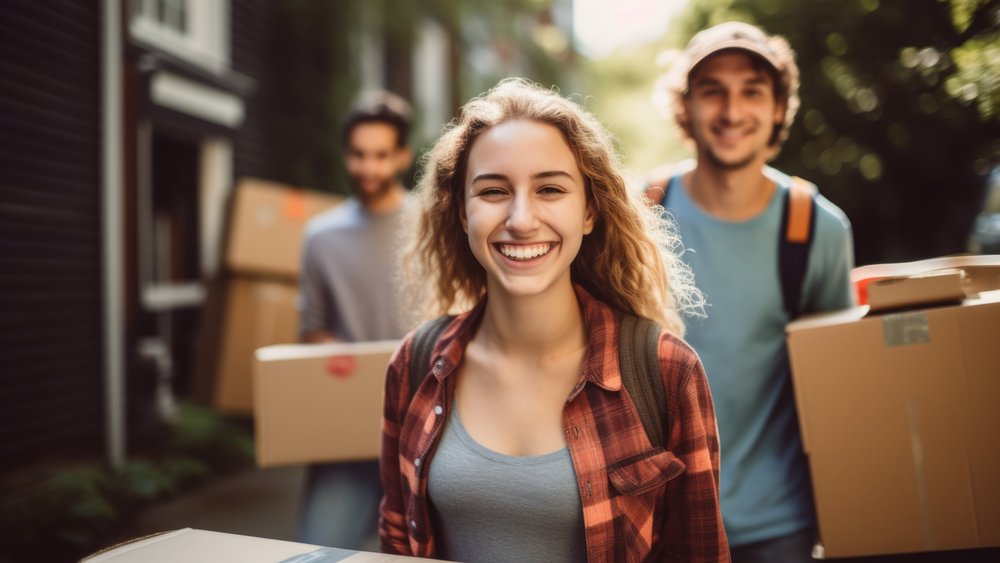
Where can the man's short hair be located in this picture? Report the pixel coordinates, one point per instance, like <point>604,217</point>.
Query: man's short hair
<point>771,54</point>
<point>379,106</point>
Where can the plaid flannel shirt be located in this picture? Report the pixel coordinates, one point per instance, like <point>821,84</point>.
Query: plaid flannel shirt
<point>640,503</point>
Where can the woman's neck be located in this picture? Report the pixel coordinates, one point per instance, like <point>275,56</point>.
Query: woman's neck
<point>543,325</point>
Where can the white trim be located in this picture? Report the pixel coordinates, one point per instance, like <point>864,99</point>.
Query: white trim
<point>160,297</point>
<point>112,228</point>
<point>431,79</point>
<point>206,42</point>
<point>196,99</point>
<point>216,179</point>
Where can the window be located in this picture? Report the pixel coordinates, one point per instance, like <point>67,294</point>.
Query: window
<point>196,31</point>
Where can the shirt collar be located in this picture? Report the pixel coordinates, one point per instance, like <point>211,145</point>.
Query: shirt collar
<point>600,364</point>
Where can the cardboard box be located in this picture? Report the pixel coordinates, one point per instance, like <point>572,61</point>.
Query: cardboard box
<point>899,416</point>
<point>304,413</point>
<point>267,223</point>
<point>900,292</point>
<point>257,313</point>
<point>982,272</point>
<point>201,546</point>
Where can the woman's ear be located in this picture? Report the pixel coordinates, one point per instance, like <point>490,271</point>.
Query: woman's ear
<point>589,218</point>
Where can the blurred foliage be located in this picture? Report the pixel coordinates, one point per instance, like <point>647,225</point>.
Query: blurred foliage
<point>900,117</point>
<point>65,512</point>
<point>318,50</point>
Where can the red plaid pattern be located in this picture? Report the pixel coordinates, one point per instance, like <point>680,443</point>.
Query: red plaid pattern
<point>640,503</point>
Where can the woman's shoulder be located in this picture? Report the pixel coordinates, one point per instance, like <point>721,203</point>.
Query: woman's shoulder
<point>679,362</point>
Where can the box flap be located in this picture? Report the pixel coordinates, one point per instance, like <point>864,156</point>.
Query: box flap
<point>901,292</point>
<point>922,266</point>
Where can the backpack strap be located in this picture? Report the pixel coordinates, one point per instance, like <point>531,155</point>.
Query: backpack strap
<point>639,363</point>
<point>798,226</point>
<point>656,191</point>
<point>424,339</point>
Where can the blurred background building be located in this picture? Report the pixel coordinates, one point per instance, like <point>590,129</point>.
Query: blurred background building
<point>205,92</point>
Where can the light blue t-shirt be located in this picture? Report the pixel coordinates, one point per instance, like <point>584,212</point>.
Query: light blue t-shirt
<point>765,487</point>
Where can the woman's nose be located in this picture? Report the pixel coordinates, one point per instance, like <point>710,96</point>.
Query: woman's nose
<point>521,215</point>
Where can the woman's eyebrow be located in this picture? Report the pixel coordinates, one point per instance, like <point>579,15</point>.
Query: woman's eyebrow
<point>536,176</point>
<point>490,176</point>
<point>550,174</point>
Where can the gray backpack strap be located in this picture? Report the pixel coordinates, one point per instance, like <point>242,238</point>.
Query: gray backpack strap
<point>639,362</point>
<point>424,340</point>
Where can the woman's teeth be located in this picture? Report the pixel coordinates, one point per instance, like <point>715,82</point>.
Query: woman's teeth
<point>525,252</point>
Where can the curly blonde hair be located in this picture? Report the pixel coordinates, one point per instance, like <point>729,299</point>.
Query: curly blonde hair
<point>629,260</point>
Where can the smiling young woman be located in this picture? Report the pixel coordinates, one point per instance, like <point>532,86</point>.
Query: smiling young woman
<point>522,443</point>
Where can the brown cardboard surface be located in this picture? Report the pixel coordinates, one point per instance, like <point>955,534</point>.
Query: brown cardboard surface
<point>202,546</point>
<point>304,414</point>
<point>941,286</point>
<point>257,313</point>
<point>899,416</point>
<point>267,223</point>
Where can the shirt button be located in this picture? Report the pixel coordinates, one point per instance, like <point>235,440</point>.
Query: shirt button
<point>416,462</point>
<point>438,410</point>
<point>438,366</point>
<point>413,524</point>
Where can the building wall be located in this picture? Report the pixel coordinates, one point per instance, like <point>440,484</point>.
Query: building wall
<point>252,55</point>
<point>50,229</point>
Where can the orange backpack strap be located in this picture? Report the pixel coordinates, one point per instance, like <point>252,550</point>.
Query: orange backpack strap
<point>800,210</point>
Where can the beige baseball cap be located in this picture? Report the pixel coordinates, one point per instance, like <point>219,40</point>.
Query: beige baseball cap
<point>729,35</point>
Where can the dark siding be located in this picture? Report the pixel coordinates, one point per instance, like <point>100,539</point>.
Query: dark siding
<point>50,306</point>
<point>251,28</point>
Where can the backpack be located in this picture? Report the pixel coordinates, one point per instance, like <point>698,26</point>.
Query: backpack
<point>798,208</point>
<point>638,360</point>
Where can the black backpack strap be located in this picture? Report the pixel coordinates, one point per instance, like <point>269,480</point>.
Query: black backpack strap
<point>798,227</point>
<point>639,363</point>
<point>424,339</point>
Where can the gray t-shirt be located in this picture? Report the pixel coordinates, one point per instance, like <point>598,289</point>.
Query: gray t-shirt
<point>347,285</point>
<point>495,507</point>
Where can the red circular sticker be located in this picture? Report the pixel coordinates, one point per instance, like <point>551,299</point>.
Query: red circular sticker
<point>341,366</point>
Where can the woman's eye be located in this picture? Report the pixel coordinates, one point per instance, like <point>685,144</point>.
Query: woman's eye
<point>548,190</point>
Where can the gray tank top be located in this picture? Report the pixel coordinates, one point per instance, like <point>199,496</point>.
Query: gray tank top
<point>495,507</point>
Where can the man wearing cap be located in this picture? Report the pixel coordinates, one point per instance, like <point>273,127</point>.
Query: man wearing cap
<point>734,94</point>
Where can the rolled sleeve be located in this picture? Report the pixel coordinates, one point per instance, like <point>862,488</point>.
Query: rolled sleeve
<point>393,534</point>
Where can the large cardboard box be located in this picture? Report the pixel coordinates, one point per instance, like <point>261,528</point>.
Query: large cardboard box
<point>257,313</point>
<point>202,546</point>
<point>319,402</point>
<point>267,223</point>
<point>900,415</point>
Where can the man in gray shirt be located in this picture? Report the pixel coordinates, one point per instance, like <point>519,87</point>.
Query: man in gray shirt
<point>347,294</point>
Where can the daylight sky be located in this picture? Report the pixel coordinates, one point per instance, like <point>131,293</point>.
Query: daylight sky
<point>601,26</point>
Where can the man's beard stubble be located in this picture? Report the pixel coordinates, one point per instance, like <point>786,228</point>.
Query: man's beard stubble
<point>368,197</point>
